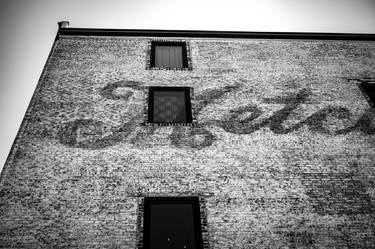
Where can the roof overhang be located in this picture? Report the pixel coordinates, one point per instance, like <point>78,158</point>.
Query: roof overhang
<point>214,34</point>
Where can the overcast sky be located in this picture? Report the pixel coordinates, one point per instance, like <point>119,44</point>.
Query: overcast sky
<point>28,28</point>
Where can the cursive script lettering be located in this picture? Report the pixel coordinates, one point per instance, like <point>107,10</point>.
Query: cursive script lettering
<point>93,134</point>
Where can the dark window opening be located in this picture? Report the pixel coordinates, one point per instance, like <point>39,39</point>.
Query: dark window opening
<point>172,222</point>
<point>369,89</point>
<point>168,55</point>
<point>169,105</point>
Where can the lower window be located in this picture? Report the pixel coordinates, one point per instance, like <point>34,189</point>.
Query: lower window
<point>172,222</point>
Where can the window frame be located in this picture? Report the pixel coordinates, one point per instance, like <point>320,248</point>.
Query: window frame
<point>186,55</point>
<point>189,109</point>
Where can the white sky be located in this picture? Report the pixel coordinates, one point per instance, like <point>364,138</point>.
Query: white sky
<point>28,29</point>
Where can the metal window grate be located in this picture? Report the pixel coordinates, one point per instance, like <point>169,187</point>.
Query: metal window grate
<point>169,105</point>
<point>169,56</point>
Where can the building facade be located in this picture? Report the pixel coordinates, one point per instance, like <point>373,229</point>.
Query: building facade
<point>273,133</point>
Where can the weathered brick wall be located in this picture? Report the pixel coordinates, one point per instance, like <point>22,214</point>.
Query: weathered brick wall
<point>283,153</point>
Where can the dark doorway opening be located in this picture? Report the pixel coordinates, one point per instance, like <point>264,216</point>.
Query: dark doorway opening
<point>172,222</point>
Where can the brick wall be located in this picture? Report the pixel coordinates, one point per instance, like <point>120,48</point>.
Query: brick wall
<point>282,154</point>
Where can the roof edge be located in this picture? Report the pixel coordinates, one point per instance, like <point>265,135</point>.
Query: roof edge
<point>215,34</point>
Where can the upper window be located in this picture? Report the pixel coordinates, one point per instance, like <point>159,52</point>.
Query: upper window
<point>169,105</point>
<point>172,55</point>
<point>369,89</point>
<point>172,222</point>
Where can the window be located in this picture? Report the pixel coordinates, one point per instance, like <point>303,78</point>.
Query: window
<point>169,105</point>
<point>369,89</point>
<point>172,222</point>
<point>172,55</point>
<point>168,55</point>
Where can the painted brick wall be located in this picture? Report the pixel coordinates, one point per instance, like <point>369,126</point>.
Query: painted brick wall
<point>282,154</point>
